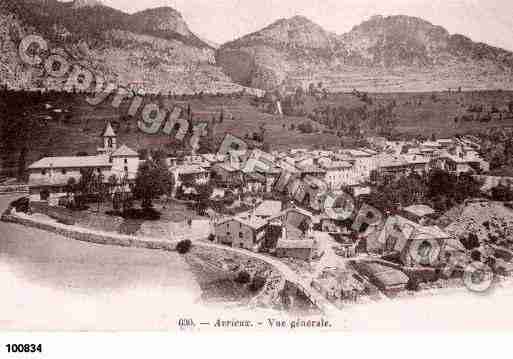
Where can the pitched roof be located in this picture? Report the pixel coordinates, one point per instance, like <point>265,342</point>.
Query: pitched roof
<point>72,162</point>
<point>420,210</point>
<point>125,151</point>
<point>226,166</point>
<point>391,277</point>
<point>268,208</point>
<point>294,209</point>
<point>430,144</point>
<point>253,222</point>
<point>419,231</point>
<point>254,177</point>
<point>386,160</point>
<point>109,131</point>
<point>386,275</point>
<point>295,244</point>
<point>335,165</point>
<point>307,168</point>
<point>358,153</point>
<point>416,159</point>
<point>189,169</point>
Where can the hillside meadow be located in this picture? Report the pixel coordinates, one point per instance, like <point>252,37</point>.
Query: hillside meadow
<point>66,124</point>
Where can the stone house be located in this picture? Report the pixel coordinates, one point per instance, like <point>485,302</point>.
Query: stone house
<point>248,233</point>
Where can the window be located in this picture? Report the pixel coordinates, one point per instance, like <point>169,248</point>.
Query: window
<point>126,161</point>
<point>241,235</point>
<point>43,172</point>
<point>99,170</point>
<point>63,171</point>
<point>110,159</point>
<point>126,169</point>
<point>227,233</point>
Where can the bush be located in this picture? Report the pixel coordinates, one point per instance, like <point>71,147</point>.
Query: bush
<point>66,221</point>
<point>45,194</point>
<point>475,255</point>
<point>63,202</point>
<point>148,214</point>
<point>243,277</point>
<point>413,284</point>
<point>257,283</point>
<point>184,246</point>
<point>21,205</point>
<point>305,127</point>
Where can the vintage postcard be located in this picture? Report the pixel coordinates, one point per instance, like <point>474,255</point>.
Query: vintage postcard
<point>239,165</point>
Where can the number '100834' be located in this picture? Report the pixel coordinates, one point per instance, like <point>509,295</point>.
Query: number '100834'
<point>24,348</point>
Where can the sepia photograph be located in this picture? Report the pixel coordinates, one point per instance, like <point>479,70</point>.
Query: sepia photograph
<point>255,166</point>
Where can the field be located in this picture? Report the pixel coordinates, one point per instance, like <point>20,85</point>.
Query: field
<point>71,125</point>
<point>434,113</point>
<point>170,224</point>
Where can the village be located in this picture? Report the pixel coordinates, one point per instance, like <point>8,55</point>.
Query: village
<point>447,213</point>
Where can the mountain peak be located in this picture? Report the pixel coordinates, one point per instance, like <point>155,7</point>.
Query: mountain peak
<point>162,10</point>
<point>297,32</point>
<point>162,19</point>
<point>296,48</point>
<point>399,23</point>
<point>300,19</point>
<point>297,21</point>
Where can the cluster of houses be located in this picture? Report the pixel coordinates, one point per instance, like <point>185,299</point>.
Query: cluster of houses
<point>289,232</point>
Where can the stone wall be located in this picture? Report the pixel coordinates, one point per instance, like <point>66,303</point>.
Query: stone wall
<point>90,236</point>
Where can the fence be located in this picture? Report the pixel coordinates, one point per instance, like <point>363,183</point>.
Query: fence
<point>9,189</point>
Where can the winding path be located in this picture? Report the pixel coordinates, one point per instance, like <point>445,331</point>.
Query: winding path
<point>303,284</point>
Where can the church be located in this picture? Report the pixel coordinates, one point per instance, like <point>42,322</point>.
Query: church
<point>51,174</point>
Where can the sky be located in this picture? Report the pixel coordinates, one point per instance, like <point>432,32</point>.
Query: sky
<point>489,21</point>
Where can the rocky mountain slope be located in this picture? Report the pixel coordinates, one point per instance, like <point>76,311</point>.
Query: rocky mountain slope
<point>152,50</point>
<point>155,51</point>
<point>395,53</point>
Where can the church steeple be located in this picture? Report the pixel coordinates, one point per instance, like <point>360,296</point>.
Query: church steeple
<point>109,140</point>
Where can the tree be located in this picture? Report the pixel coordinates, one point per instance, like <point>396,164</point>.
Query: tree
<point>184,246</point>
<point>305,127</point>
<point>45,194</point>
<point>502,192</point>
<point>205,191</point>
<point>413,284</point>
<point>22,162</point>
<point>257,283</point>
<point>70,186</point>
<point>243,277</point>
<point>113,181</point>
<point>311,89</point>
<point>143,154</point>
<point>299,96</point>
<point>86,182</point>
<point>152,180</point>
<point>266,147</point>
<point>100,189</point>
